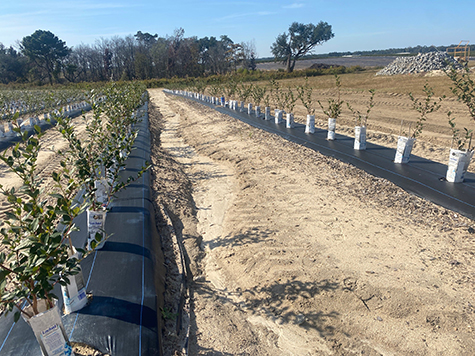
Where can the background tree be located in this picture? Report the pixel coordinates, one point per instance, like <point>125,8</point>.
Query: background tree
<point>235,55</point>
<point>141,56</point>
<point>300,40</point>
<point>46,51</point>
<point>144,66</point>
<point>13,65</point>
<point>159,54</point>
<point>250,55</point>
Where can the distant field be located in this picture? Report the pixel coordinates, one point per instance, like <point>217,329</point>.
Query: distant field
<point>363,61</point>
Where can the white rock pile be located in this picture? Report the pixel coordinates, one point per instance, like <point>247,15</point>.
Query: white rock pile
<point>423,62</point>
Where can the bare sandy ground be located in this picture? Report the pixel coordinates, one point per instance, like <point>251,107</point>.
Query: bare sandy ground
<point>289,252</point>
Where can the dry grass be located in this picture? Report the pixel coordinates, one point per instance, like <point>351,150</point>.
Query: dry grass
<point>392,103</point>
<point>363,81</point>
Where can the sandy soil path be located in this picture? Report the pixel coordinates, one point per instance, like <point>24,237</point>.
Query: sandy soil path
<point>290,252</point>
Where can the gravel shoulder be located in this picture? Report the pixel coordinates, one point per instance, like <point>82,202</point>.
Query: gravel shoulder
<point>289,252</point>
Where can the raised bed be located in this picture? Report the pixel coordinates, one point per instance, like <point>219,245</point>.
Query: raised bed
<point>121,319</point>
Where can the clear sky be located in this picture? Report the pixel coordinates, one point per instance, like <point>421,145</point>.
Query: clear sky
<point>357,25</point>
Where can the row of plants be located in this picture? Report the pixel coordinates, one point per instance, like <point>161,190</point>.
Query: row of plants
<point>33,102</point>
<point>37,251</point>
<point>284,100</point>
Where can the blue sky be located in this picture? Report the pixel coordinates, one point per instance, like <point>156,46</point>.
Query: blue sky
<point>358,25</point>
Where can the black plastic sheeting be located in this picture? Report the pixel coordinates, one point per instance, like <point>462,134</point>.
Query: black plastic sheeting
<point>122,317</point>
<point>420,176</point>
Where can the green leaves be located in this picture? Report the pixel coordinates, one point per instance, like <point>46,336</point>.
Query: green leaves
<point>37,226</point>
<point>361,119</point>
<point>300,40</point>
<point>424,107</point>
<point>35,252</point>
<point>334,106</point>
<point>464,88</point>
<point>304,93</point>
<point>460,141</point>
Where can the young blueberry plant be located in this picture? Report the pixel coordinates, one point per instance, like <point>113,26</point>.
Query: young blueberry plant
<point>100,156</point>
<point>424,107</point>
<point>267,97</point>
<point>230,88</point>
<point>36,230</point>
<point>278,96</point>
<point>215,89</point>
<point>258,93</point>
<point>461,141</point>
<point>290,99</point>
<point>304,93</point>
<point>463,87</point>
<point>245,91</point>
<point>334,106</point>
<point>362,119</point>
<point>121,110</point>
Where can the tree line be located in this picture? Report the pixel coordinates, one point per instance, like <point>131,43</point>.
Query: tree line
<point>44,58</point>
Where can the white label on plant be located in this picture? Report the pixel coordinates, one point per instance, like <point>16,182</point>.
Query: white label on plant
<point>102,187</point>
<point>95,222</point>
<point>53,341</point>
<point>76,283</point>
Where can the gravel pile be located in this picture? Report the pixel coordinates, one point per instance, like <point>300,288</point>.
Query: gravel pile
<point>423,62</point>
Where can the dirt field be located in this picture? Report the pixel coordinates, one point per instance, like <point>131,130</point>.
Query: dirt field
<point>289,252</point>
<point>363,61</point>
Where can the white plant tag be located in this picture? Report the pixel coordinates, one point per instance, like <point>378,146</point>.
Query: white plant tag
<point>54,342</point>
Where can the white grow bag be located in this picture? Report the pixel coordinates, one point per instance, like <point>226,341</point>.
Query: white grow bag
<point>331,129</point>
<point>310,126</point>
<point>278,116</point>
<point>267,113</point>
<point>249,109</point>
<point>458,164</point>
<point>258,111</point>
<point>404,148</point>
<point>74,293</point>
<point>360,138</point>
<point>49,330</point>
<point>289,121</point>
<point>102,187</point>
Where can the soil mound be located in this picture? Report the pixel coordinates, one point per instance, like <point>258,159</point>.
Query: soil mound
<point>324,66</point>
